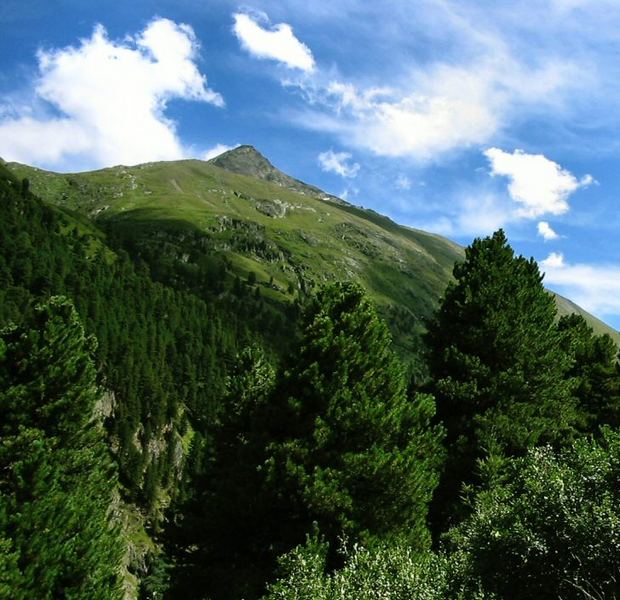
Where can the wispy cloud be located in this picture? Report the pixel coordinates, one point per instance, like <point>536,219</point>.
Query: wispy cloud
<point>470,213</point>
<point>537,184</point>
<point>217,150</point>
<point>434,107</point>
<point>348,193</point>
<point>106,100</point>
<point>594,287</point>
<point>339,163</point>
<point>277,43</point>
<point>403,182</point>
<point>546,231</point>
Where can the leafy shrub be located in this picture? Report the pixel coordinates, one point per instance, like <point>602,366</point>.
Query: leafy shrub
<point>551,526</point>
<point>391,572</point>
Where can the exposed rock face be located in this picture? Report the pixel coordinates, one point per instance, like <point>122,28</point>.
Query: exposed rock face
<point>272,208</point>
<point>105,405</point>
<point>246,160</point>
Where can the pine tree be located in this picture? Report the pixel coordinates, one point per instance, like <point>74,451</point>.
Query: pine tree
<point>595,371</point>
<point>497,365</point>
<point>225,538</point>
<point>354,452</point>
<point>56,478</point>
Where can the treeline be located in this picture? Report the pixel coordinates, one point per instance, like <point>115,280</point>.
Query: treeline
<point>145,331</point>
<point>283,450</point>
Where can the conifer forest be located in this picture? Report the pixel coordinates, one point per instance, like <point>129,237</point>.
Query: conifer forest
<point>208,412</point>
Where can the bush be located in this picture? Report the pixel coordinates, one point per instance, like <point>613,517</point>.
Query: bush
<point>392,572</point>
<point>550,527</point>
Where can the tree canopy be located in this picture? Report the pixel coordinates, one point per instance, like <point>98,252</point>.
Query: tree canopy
<point>57,481</point>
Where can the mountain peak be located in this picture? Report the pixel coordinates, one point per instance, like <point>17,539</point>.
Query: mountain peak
<point>247,160</point>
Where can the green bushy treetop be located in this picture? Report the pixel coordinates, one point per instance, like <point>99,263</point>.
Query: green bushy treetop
<point>546,526</point>
<point>549,527</point>
<point>387,572</point>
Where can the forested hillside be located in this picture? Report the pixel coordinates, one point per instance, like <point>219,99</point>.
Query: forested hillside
<point>161,353</point>
<point>225,384</point>
<point>196,224</point>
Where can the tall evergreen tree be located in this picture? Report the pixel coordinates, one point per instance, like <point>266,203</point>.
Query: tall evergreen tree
<point>223,537</point>
<point>497,365</point>
<point>595,371</point>
<point>354,451</point>
<point>57,538</point>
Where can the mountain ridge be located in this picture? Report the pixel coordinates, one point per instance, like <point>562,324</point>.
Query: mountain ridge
<point>290,234</point>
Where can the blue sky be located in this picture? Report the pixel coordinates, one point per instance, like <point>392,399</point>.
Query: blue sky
<point>455,117</point>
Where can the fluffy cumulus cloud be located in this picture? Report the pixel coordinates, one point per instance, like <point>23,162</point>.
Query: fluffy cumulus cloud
<point>217,150</point>
<point>594,287</point>
<point>277,43</point>
<point>338,162</point>
<point>538,185</point>
<point>546,231</point>
<point>105,100</point>
<point>555,260</point>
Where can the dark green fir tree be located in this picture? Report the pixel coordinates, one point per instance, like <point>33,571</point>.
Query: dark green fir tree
<point>497,363</point>
<point>358,456</point>
<point>57,483</point>
<point>595,372</point>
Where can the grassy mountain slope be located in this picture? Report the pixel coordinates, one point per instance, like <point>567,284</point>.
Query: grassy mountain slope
<point>286,234</point>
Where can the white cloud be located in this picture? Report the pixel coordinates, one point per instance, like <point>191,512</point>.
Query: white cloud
<point>596,288</point>
<point>278,43</point>
<point>555,260</point>
<point>546,231</point>
<point>436,108</point>
<point>403,182</point>
<point>395,123</point>
<point>470,213</point>
<point>538,185</point>
<point>217,150</point>
<point>107,100</point>
<point>337,162</point>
